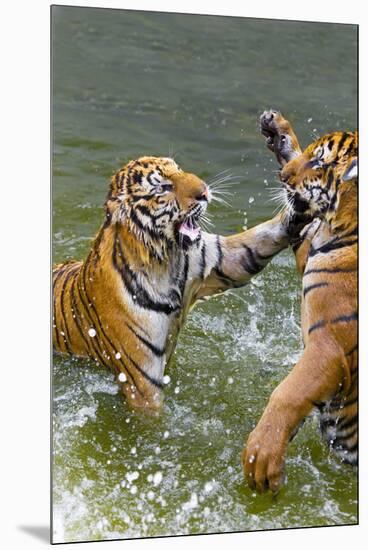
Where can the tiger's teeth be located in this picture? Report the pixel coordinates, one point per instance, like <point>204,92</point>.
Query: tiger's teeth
<point>189,230</point>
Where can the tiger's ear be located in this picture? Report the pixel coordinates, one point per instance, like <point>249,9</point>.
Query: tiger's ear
<point>351,172</point>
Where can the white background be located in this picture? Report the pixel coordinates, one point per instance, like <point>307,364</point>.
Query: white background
<point>24,271</point>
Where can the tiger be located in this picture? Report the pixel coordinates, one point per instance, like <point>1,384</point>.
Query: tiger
<point>125,304</point>
<point>322,184</point>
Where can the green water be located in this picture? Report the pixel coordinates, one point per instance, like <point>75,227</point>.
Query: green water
<point>133,83</point>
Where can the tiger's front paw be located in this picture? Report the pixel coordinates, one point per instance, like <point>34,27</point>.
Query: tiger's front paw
<point>263,458</point>
<point>280,138</point>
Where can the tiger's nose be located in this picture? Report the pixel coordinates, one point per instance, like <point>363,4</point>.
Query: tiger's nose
<point>203,195</point>
<point>284,176</point>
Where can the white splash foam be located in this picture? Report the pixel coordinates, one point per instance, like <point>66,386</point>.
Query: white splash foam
<point>132,476</point>
<point>157,478</point>
<point>192,503</point>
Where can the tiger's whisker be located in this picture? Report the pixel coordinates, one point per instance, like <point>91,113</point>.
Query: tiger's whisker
<point>221,201</point>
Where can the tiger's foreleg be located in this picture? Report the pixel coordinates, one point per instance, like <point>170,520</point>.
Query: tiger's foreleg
<point>317,377</point>
<point>246,254</point>
<point>237,258</point>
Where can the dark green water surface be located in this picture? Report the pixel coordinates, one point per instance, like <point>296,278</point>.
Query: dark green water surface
<point>127,84</point>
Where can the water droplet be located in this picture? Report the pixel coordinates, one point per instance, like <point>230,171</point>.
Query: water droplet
<point>122,377</point>
<point>157,478</point>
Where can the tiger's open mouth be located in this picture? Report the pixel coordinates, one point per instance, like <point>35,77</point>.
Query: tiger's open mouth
<point>190,227</point>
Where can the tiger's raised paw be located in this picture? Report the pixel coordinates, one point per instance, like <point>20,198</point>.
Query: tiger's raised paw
<point>280,138</point>
<point>269,127</point>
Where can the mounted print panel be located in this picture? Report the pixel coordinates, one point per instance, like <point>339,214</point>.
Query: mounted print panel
<point>212,162</point>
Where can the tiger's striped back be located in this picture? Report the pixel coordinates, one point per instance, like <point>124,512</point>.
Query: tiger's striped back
<point>66,305</point>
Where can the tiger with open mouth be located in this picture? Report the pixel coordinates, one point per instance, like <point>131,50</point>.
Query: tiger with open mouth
<point>149,263</point>
<point>320,183</point>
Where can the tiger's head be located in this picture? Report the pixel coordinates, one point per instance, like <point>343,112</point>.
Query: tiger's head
<point>315,180</point>
<point>159,202</point>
